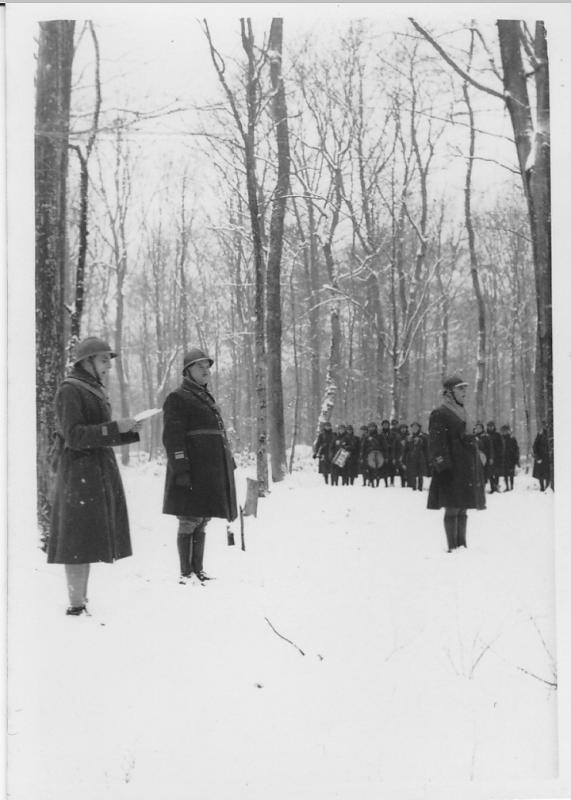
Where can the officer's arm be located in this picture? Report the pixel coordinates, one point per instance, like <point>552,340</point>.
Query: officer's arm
<point>174,440</point>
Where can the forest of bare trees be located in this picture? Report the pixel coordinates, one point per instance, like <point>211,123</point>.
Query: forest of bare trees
<point>340,226</point>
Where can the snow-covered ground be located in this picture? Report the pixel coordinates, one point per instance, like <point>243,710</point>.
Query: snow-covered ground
<point>341,653</point>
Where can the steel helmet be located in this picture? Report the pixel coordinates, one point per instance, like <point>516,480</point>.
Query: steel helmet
<point>453,382</point>
<point>194,355</point>
<point>91,346</point>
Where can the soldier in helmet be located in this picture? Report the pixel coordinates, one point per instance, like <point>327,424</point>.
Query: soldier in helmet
<point>89,521</point>
<point>323,449</point>
<point>199,480</point>
<point>457,475</point>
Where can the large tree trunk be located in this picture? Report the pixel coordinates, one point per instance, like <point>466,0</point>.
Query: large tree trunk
<point>273,275</point>
<point>53,95</point>
<point>533,152</point>
<point>540,192</point>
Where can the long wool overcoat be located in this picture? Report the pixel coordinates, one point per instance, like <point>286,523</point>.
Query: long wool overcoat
<point>196,445</point>
<point>415,455</point>
<point>89,519</point>
<point>541,456</point>
<point>323,451</point>
<point>457,474</point>
<point>510,454</point>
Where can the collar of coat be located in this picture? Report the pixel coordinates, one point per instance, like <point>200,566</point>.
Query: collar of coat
<point>188,385</point>
<point>80,374</point>
<point>456,409</point>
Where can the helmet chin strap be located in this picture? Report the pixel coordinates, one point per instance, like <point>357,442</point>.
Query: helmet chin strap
<point>453,395</point>
<point>95,370</point>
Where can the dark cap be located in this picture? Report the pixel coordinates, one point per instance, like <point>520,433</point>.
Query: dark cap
<point>453,381</point>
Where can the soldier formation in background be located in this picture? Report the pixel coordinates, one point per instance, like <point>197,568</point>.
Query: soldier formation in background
<point>379,455</point>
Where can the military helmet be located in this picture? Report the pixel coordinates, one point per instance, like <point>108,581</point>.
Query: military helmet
<point>194,355</point>
<point>91,346</point>
<point>453,382</point>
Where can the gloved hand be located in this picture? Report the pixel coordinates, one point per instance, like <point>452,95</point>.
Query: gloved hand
<point>183,481</point>
<point>127,424</point>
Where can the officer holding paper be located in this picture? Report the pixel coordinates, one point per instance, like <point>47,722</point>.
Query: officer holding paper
<point>89,520</point>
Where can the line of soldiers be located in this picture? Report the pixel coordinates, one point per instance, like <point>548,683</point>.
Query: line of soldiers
<point>377,455</point>
<point>395,450</point>
<point>500,452</point>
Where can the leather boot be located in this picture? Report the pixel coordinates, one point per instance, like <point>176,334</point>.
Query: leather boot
<point>183,546</point>
<point>451,528</point>
<point>462,524</point>
<point>197,550</point>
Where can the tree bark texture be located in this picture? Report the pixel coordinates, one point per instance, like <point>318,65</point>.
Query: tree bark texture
<point>474,269</point>
<point>273,274</point>
<point>53,94</point>
<point>255,221</point>
<point>533,149</point>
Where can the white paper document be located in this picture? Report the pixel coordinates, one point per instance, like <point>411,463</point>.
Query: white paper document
<point>149,412</point>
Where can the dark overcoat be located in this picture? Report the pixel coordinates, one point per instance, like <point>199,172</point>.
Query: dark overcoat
<point>89,519</point>
<point>541,456</point>
<point>495,463</point>
<point>416,455</point>
<point>374,441</point>
<point>510,454</point>
<point>353,445</point>
<point>457,475</point>
<point>390,450</point>
<point>484,443</point>
<point>196,445</point>
<point>323,451</point>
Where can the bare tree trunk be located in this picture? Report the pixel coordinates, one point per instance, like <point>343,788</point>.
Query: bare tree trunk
<point>123,192</point>
<point>273,275</point>
<point>184,298</point>
<point>314,316</point>
<point>533,151</point>
<point>53,95</point>
<point>474,269</point>
<point>248,139</point>
<point>255,221</point>
<point>77,307</point>
<point>297,398</point>
<point>540,193</point>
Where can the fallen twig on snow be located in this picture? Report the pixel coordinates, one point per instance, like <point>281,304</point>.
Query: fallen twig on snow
<point>284,637</point>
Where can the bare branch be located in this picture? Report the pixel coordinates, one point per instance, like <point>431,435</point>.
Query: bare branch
<point>463,74</point>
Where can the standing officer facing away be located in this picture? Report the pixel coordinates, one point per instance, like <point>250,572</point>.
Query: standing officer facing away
<point>457,474</point>
<point>199,481</point>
